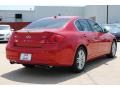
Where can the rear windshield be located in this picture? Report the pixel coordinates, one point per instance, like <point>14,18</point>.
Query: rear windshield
<point>48,23</point>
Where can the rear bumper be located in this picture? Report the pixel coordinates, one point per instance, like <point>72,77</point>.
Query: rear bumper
<point>53,57</point>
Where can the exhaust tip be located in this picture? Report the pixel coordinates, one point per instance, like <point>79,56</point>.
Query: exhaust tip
<point>12,62</point>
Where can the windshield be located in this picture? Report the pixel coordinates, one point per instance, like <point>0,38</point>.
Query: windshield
<point>4,27</point>
<point>48,23</point>
<point>112,28</point>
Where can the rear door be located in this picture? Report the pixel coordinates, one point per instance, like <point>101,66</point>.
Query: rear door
<point>102,38</point>
<point>90,37</point>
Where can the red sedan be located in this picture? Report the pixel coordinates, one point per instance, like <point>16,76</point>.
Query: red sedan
<point>60,41</point>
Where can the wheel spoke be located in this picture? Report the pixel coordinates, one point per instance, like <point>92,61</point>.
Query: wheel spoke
<point>81,59</point>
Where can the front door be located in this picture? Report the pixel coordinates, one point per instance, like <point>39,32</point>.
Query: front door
<point>101,38</point>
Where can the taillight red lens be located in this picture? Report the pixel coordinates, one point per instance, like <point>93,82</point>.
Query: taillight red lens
<point>55,38</point>
<point>15,38</point>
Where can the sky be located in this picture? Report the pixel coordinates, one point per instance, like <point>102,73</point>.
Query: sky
<point>27,4</point>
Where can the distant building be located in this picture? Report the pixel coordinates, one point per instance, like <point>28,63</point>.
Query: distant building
<point>95,12</point>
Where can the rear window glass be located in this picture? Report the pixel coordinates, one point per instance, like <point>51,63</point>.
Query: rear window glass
<point>48,23</point>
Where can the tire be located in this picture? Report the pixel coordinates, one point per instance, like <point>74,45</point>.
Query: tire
<point>80,60</point>
<point>113,49</point>
<point>28,65</point>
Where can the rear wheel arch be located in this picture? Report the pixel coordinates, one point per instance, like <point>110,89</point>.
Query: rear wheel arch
<point>75,66</point>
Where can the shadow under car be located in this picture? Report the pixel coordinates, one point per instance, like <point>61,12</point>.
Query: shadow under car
<point>51,75</point>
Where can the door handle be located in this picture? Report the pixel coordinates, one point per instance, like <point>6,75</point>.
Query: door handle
<point>95,37</point>
<point>84,35</point>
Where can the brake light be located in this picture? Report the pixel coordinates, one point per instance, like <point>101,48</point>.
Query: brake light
<point>15,38</point>
<point>56,38</point>
<point>52,39</point>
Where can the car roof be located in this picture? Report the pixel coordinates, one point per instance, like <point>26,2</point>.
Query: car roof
<point>58,17</point>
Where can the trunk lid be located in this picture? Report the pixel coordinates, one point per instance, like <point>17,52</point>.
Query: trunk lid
<point>32,38</point>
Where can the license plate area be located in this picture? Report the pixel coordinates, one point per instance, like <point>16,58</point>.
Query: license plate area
<point>25,56</point>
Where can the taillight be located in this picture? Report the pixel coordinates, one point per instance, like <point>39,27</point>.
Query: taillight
<point>55,38</point>
<point>15,38</point>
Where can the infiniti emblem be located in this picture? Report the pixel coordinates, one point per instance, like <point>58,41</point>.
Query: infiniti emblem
<point>28,36</point>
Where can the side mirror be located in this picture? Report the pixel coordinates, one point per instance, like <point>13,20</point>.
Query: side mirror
<point>105,30</point>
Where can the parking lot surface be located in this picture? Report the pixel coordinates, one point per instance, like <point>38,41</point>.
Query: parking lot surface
<point>101,71</point>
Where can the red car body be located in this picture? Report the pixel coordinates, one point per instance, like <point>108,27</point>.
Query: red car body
<point>57,46</point>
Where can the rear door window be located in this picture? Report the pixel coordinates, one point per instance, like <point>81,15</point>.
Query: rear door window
<point>85,25</point>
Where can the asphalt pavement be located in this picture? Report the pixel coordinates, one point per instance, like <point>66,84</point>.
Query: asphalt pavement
<point>98,72</point>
